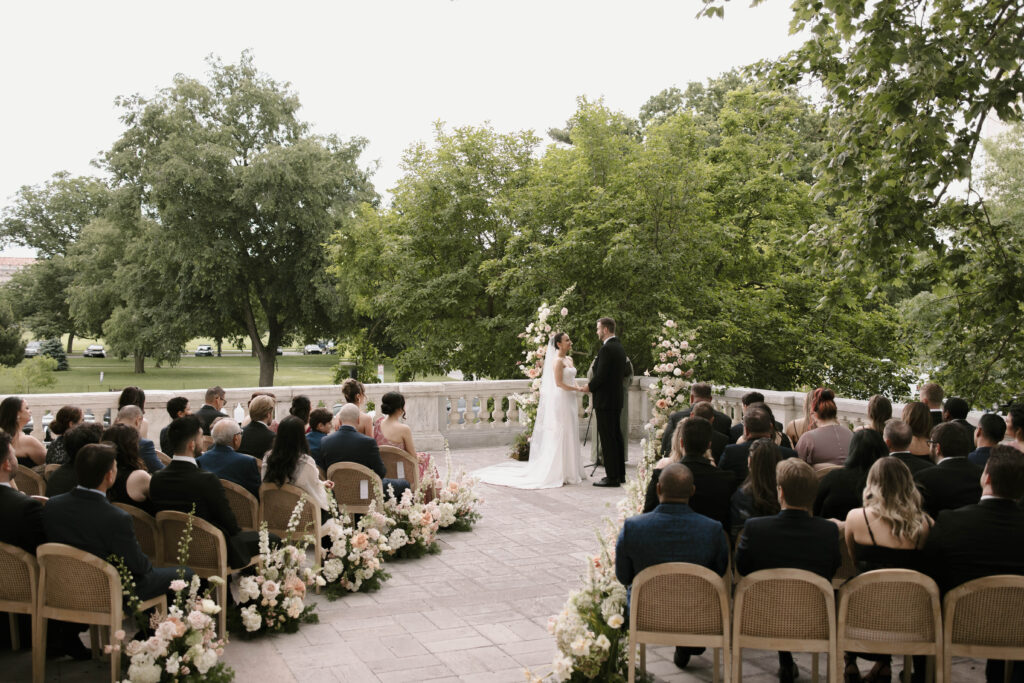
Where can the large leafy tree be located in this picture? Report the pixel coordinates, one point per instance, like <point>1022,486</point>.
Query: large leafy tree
<point>244,198</point>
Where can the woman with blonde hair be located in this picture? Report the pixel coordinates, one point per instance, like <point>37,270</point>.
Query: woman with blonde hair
<point>796,428</point>
<point>354,392</point>
<point>919,417</point>
<point>887,533</point>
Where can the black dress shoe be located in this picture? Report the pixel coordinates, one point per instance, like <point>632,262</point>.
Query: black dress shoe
<point>681,657</point>
<point>788,674</point>
<point>606,482</point>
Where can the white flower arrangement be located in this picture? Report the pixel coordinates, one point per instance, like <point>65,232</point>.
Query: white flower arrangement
<point>416,523</point>
<point>672,370</point>
<point>355,559</point>
<point>457,498</point>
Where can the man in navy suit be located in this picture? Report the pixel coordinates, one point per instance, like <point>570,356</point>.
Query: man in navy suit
<point>85,519</point>
<point>226,462</point>
<point>348,445</point>
<point>792,539</point>
<point>672,532</point>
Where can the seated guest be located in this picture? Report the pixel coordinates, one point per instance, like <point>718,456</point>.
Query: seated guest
<point>718,440</point>
<point>749,398</point>
<point>391,430</point>
<point>700,392</point>
<point>955,410</point>
<point>21,516</point>
<point>713,487</point>
<point>66,418</point>
<point>955,480</point>
<point>14,415</point>
<point>224,461</point>
<point>348,445</point>
<point>916,415</point>
<point>176,407</point>
<point>301,408</point>
<point>1015,425</point>
<point>133,416</point>
<point>879,412</point>
<point>898,436</point>
<point>319,426</point>
<point>757,424</point>
<point>289,463</point>
<point>354,392</point>
<point>65,478</point>
<point>791,539</point>
<point>983,539</point>
<point>85,519</point>
<point>756,496</point>
<point>257,437</point>
<point>213,403</point>
<point>777,435</point>
<point>134,396</point>
<point>887,533</point>
<point>931,394</point>
<point>182,485</point>
<point>796,428</point>
<point>828,443</point>
<point>990,432</point>
<point>671,532</point>
<point>131,485</point>
<point>843,490</point>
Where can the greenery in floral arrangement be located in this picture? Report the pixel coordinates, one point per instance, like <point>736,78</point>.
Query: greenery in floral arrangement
<point>184,646</point>
<point>273,600</point>
<point>457,499</point>
<point>674,360</point>
<point>355,559</point>
<point>416,524</point>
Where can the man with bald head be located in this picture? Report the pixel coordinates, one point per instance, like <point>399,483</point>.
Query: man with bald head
<point>671,532</point>
<point>348,445</point>
<point>132,415</point>
<point>224,460</point>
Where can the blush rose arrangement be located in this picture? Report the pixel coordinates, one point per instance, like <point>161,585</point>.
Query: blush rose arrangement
<point>355,559</point>
<point>457,498</point>
<point>416,525</point>
<point>674,358</point>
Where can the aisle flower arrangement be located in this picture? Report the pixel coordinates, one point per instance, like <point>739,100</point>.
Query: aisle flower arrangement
<point>273,600</point>
<point>672,371</point>
<point>184,646</point>
<point>416,525</point>
<point>355,559</point>
<point>457,498</point>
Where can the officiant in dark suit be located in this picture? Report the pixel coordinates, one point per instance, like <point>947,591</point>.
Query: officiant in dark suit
<point>606,388</point>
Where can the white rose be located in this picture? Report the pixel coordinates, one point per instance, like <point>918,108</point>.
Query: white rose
<point>677,372</point>
<point>580,647</point>
<point>206,661</point>
<point>251,619</point>
<point>603,642</point>
<point>670,323</point>
<point>564,311</point>
<point>615,621</point>
<point>171,666</point>
<point>198,620</point>
<point>209,606</point>
<point>144,673</point>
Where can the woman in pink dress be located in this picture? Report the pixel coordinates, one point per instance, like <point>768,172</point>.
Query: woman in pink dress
<point>389,430</point>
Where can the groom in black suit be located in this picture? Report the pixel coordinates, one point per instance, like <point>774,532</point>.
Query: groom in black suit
<point>606,387</point>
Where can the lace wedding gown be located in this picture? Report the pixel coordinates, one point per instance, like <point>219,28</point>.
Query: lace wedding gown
<point>555,453</point>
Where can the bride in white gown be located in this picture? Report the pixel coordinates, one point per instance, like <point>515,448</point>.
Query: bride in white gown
<point>555,453</point>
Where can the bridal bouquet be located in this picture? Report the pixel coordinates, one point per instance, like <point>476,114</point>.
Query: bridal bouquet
<point>416,524</point>
<point>274,599</point>
<point>672,373</point>
<point>457,499</point>
<point>355,560</point>
<point>184,645</point>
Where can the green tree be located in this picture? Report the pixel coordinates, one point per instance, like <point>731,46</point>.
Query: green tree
<point>12,348</point>
<point>244,198</point>
<point>51,348</point>
<point>31,374</point>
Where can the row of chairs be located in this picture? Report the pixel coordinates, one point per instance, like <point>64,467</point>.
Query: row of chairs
<point>889,611</point>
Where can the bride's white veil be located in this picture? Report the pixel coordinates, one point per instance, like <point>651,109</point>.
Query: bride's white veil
<point>545,404</point>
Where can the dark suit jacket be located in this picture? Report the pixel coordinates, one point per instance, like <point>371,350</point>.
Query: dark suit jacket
<point>147,451</point>
<point>165,445</point>
<point>672,532</point>
<point>976,540</point>
<point>88,521</point>
<point>915,463</point>
<point>21,520</point>
<point>979,456</point>
<point>721,425</point>
<point>840,491</point>
<point>713,493</point>
<point>61,480</point>
<point>348,445</point>
<point>239,468</point>
<point>257,439</point>
<point>181,484</point>
<point>951,484</point>
<point>734,459</point>
<point>609,371</point>
<point>791,539</point>
<point>207,414</point>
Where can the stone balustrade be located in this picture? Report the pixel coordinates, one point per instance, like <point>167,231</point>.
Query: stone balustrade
<point>466,414</point>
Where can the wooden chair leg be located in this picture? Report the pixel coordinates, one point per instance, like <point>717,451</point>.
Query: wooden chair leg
<point>643,658</point>
<point>12,618</point>
<point>1007,670</point>
<point>94,640</point>
<point>222,600</point>
<point>714,666</point>
<point>814,667</point>
<point>38,649</point>
<point>907,664</point>
<point>631,660</point>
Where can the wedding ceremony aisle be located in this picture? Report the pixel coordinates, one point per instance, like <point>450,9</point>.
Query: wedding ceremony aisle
<point>475,612</point>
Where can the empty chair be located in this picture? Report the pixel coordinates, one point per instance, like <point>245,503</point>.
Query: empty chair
<point>401,464</point>
<point>29,482</point>
<point>785,609</point>
<point>18,589</point>
<point>146,531</point>
<point>79,587</point>
<point>243,504</point>
<point>681,604</point>
<point>891,611</point>
<point>984,618</point>
<point>276,506</point>
<point>355,486</point>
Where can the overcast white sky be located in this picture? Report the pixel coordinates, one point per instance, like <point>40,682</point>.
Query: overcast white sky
<point>385,69</point>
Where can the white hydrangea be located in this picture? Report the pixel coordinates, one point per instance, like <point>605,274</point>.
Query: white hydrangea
<point>144,672</point>
<point>251,619</point>
<point>205,661</point>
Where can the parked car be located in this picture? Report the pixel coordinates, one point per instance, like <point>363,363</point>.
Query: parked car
<point>94,351</point>
<point>311,349</point>
<point>280,351</point>
<point>32,349</point>
<point>204,350</point>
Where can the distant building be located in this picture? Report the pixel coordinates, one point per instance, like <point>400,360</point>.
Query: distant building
<point>9,265</point>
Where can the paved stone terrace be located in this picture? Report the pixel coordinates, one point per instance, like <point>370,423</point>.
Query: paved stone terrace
<point>475,612</point>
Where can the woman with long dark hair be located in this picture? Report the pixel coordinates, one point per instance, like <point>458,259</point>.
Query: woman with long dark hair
<point>66,418</point>
<point>14,415</point>
<point>758,495</point>
<point>289,462</point>
<point>842,490</point>
<point>391,430</point>
<point>132,483</point>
